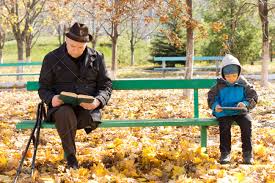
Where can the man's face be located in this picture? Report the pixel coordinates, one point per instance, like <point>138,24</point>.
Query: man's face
<point>231,78</point>
<point>75,49</point>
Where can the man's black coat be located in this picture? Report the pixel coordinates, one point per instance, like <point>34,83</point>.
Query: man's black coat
<point>59,73</point>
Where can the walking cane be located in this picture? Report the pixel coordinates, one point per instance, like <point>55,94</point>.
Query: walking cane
<point>33,137</point>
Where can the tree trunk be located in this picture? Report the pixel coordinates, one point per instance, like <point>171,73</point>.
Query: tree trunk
<point>59,31</point>
<point>2,43</point>
<point>189,48</point>
<point>189,54</point>
<point>94,41</point>
<point>20,56</point>
<point>28,46</point>
<point>28,53</point>
<point>132,44</point>
<point>263,12</point>
<point>265,63</point>
<point>270,50</point>
<point>231,42</point>
<point>189,44</point>
<point>64,33</point>
<point>114,59</point>
<point>132,55</point>
<point>1,55</point>
<point>114,50</point>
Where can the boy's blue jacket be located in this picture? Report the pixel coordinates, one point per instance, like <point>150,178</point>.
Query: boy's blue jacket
<point>229,95</point>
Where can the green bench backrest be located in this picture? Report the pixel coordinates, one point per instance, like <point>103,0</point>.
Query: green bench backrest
<point>20,64</point>
<point>209,58</point>
<point>146,84</point>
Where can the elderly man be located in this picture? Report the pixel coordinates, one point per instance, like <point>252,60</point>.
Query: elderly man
<point>74,67</point>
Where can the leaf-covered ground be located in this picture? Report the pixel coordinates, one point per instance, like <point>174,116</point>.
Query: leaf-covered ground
<point>156,154</point>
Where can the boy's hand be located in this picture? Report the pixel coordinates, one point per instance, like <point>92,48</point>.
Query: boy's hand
<point>241,104</point>
<point>218,108</point>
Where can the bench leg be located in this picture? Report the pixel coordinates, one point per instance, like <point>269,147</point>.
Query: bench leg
<point>204,137</point>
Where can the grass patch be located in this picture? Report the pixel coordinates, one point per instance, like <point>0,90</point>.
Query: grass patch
<point>48,43</point>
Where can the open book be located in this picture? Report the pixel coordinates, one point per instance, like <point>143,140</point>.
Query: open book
<point>75,99</point>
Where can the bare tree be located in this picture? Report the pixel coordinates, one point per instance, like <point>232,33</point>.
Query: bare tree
<point>34,24</point>
<point>142,23</point>
<point>263,12</point>
<point>16,21</point>
<point>92,9</point>
<point>16,13</point>
<point>116,14</point>
<point>60,17</point>
<point>190,42</point>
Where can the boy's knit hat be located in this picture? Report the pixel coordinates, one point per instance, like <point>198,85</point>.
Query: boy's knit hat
<point>231,69</point>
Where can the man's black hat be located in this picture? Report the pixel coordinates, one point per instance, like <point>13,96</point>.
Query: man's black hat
<point>80,33</point>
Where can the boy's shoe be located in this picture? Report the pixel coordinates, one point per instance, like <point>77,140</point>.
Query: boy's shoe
<point>72,161</point>
<point>225,158</point>
<point>247,158</point>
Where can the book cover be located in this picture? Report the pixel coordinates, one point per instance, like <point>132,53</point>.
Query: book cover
<point>75,99</point>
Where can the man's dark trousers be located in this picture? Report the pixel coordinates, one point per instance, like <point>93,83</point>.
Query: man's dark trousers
<point>244,121</point>
<point>67,120</point>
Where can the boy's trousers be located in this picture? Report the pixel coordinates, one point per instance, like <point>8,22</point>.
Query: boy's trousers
<point>244,121</point>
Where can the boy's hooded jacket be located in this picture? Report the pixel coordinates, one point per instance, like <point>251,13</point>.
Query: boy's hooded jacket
<point>226,94</point>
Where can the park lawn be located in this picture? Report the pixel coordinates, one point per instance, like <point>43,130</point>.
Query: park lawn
<point>41,48</point>
<point>48,43</point>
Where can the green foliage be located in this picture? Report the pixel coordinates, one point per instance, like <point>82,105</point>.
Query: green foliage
<point>162,46</point>
<point>243,41</point>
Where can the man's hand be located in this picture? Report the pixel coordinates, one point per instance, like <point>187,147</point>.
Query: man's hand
<point>56,101</point>
<point>241,104</point>
<point>218,108</point>
<point>90,106</point>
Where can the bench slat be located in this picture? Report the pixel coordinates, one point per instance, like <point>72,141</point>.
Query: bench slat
<point>20,64</point>
<point>19,74</point>
<point>27,124</point>
<point>201,58</point>
<point>143,84</point>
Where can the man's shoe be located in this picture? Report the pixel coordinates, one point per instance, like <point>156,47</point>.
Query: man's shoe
<point>225,158</point>
<point>247,158</point>
<point>72,161</point>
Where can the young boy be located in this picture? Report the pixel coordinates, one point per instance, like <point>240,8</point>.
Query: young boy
<point>232,90</point>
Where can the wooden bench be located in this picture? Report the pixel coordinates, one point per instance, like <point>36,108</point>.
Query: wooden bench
<point>181,60</point>
<point>194,84</point>
<point>148,84</point>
